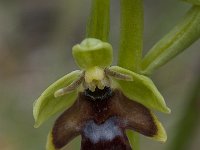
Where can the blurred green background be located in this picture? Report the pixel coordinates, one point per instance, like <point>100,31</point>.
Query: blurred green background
<point>35,50</point>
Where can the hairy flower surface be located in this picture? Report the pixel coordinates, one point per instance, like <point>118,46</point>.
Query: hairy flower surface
<point>100,102</point>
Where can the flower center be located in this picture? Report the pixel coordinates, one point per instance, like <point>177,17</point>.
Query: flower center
<point>95,77</point>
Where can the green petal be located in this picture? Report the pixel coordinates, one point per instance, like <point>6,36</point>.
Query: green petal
<point>141,89</point>
<point>47,105</point>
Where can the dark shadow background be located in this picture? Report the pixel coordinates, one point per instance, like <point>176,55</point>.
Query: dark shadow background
<point>35,50</point>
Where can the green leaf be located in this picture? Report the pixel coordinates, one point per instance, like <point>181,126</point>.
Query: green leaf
<point>194,2</point>
<point>99,21</point>
<point>141,89</point>
<point>131,34</point>
<point>176,41</point>
<point>47,105</point>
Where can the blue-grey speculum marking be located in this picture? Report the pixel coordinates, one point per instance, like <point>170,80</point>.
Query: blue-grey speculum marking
<point>103,132</point>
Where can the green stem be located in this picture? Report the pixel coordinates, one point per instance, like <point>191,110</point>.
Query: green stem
<point>189,121</point>
<point>131,39</point>
<point>134,139</point>
<point>99,21</point>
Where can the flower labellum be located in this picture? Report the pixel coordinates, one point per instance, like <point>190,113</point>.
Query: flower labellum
<point>100,103</point>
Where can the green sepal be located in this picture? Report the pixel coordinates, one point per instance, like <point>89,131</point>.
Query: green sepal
<point>47,105</point>
<point>141,89</point>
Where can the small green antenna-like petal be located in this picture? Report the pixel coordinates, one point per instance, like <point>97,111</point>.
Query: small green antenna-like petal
<point>70,88</point>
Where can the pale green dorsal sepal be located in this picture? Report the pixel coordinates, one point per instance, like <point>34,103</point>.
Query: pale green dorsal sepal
<point>141,89</point>
<point>161,133</point>
<point>92,52</point>
<point>47,105</point>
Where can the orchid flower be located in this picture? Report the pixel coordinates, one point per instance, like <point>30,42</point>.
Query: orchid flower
<point>100,102</point>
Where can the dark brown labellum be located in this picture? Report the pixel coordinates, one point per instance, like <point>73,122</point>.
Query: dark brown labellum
<point>101,118</point>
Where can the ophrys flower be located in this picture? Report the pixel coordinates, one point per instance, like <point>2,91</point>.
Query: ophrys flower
<point>103,102</point>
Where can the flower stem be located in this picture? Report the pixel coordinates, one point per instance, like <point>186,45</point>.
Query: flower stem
<point>99,21</point>
<point>131,41</point>
<point>134,139</point>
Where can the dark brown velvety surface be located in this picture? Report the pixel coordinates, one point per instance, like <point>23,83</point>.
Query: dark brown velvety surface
<point>131,114</point>
<point>116,144</point>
